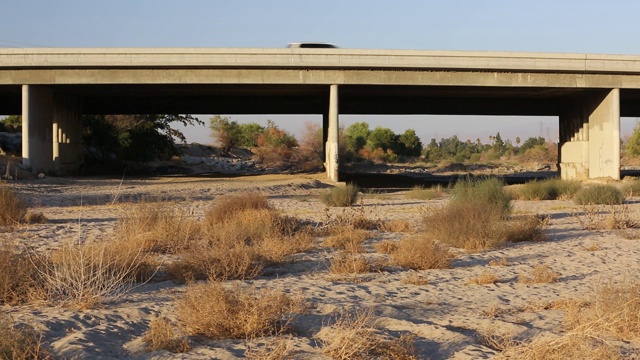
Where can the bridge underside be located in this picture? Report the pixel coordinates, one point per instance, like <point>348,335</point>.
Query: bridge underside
<point>589,118</point>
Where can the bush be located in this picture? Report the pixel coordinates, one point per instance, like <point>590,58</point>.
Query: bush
<point>161,336</point>
<point>599,195</point>
<point>631,188</point>
<point>341,196</point>
<point>345,262</point>
<point>347,239</point>
<point>20,342</point>
<point>227,206</point>
<point>12,209</point>
<point>84,275</point>
<point>157,227</point>
<point>421,253</point>
<point>471,226</point>
<point>213,311</point>
<point>485,193</point>
<point>20,280</point>
<point>549,189</point>
<point>356,336</point>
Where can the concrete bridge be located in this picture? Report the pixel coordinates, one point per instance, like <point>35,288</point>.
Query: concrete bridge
<point>52,88</point>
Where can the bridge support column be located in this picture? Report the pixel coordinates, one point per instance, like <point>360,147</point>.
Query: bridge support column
<point>590,137</point>
<point>37,128</point>
<point>68,153</point>
<point>331,147</point>
<point>51,131</point>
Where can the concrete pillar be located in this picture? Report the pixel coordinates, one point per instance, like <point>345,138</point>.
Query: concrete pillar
<point>68,154</point>
<point>37,128</point>
<point>331,147</point>
<point>590,137</point>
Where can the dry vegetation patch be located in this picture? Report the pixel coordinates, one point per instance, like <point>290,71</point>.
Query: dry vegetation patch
<point>21,342</point>
<point>348,239</point>
<point>214,311</point>
<point>345,262</point>
<point>486,278</point>
<point>12,209</point>
<point>161,336</point>
<point>539,274</point>
<point>421,253</point>
<point>356,336</point>
<point>610,217</point>
<point>20,280</point>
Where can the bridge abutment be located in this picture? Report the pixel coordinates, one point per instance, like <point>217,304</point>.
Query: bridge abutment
<point>51,131</point>
<point>589,144</point>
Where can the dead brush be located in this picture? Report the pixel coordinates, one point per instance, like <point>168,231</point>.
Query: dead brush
<point>386,247</point>
<point>161,336</point>
<point>402,226</point>
<point>158,227</point>
<point>466,225</point>
<point>12,209</point>
<point>82,276</point>
<point>539,274</point>
<point>356,217</point>
<point>524,228</point>
<point>613,311</point>
<point>356,336</point>
<point>214,311</point>
<point>348,239</point>
<point>21,342</point>
<point>20,280</point>
<point>227,206</point>
<point>415,278</point>
<point>486,278</point>
<point>609,217</point>
<point>421,253</point>
<point>570,346</point>
<point>276,348</point>
<point>345,262</point>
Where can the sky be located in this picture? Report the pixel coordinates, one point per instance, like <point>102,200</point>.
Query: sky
<point>574,26</point>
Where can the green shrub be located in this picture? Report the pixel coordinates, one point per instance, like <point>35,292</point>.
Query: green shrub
<point>341,196</point>
<point>632,188</point>
<point>599,195</point>
<point>549,189</point>
<point>483,193</point>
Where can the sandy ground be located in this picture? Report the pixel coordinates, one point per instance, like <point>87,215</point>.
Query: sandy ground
<point>445,315</point>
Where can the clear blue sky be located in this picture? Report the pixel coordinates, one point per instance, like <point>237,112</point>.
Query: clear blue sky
<point>581,26</point>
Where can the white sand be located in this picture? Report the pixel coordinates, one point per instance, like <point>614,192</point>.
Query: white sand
<point>444,315</point>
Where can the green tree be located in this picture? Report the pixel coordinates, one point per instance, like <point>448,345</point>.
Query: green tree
<point>411,143</point>
<point>122,139</point>
<point>226,131</point>
<point>11,124</point>
<point>355,136</point>
<point>633,145</point>
<point>249,134</point>
<point>381,138</point>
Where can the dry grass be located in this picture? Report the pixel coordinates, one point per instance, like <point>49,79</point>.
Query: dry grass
<point>213,311</point>
<point>83,276</point>
<point>566,347</point>
<point>401,226</point>
<point>356,336</point>
<point>12,209</point>
<point>524,228</point>
<point>421,193</point>
<point>227,206</point>
<point>158,227</point>
<point>599,194</point>
<point>348,239</point>
<point>20,342</point>
<point>539,274</point>
<point>341,196</point>
<point>161,336</point>
<point>386,247</point>
<point>421,253</point>
<point>469,226</point>
<point>345,262</point>
<point>611,217</point>
<point>20,280</point>
<point>239,244</point>
<point>275,348</point>
<point>499,262</point>
<point>415,278</point>
<point>353,217</point>
<point>486,278</point>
